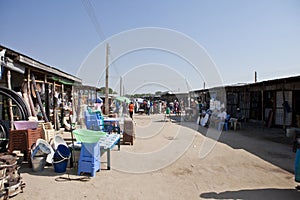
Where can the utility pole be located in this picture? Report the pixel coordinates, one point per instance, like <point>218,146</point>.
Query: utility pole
<point>106,82</point>
<point>121,86</point>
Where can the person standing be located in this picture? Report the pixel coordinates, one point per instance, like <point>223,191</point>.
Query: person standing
<point>131,109</point>
<point>136,106</point>
<point>159,107</point>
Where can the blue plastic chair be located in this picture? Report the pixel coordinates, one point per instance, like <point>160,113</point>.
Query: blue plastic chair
<point>89,161</point>
<point>93,121</point>
<point>224,124</point>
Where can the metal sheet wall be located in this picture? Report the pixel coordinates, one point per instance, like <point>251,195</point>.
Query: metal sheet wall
<point>279,113</point>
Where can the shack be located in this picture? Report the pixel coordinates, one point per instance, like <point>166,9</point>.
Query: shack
<point>46,91</point>
<point>274,102</point>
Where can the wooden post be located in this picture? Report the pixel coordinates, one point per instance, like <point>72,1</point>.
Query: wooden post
<point>62,94</point>
<point>54,107</point>
<point>78,113</point>
<point>10,101</point>
<point>106,82</point>
<point>284,111</point>
<point>47,98</point>
<point>29,95</point>
<point>61,108</point>
<point>39,98</point>
<point>72,104</point>
<point>262,105</point>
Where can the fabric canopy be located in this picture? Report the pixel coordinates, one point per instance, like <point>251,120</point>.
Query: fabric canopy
<point>123,99</point>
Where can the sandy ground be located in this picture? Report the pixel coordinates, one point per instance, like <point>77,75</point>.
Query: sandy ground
<point>165,163</point>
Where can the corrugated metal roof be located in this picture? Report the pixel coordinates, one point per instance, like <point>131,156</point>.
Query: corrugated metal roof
<point>261,83</point>
<point>40,66</point>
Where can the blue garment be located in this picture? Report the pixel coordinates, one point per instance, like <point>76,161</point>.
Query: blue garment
<point>98,100</point>
<point>297,166</point>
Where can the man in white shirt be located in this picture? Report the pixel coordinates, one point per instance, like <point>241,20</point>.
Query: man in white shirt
<point>222,115</point>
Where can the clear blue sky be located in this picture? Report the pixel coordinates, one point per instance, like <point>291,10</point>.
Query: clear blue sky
<point>240,36</point>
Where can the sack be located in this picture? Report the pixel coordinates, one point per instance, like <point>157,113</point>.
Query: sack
<point>198,120</point>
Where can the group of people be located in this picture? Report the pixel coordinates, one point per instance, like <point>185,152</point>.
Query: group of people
<point>212,118</point>
<point>148,107</point>
<point>136,107</point>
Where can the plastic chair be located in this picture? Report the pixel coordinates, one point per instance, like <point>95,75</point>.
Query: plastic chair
<point>224,124</point>
<point>89,160</point>
<point>48,131</point>
<point>93,121</point>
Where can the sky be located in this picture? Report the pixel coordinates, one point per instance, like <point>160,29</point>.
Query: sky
<point>184,45</point>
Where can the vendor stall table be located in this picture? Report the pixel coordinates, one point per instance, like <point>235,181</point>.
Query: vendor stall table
<point>89,161</point>
<point>108,143</point>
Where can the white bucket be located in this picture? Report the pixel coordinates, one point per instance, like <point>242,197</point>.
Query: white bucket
<point>46,147</point>
<point>57,140</point>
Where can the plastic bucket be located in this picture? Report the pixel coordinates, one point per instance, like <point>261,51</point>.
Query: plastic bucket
<point>38,163</point>
<point>58,140</point>
<point>46,148</point>
<point>61,157</point>
<point>41,150</point>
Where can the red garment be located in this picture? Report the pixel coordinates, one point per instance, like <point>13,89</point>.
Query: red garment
<point>131,107</point>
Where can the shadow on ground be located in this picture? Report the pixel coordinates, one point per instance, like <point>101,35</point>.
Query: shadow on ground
<point>270,144</point>
<point>268,193</point>
<point>48,170</point>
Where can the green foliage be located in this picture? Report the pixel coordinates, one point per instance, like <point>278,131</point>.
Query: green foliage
<point>158,92</point>
<point>143,95</point>
<point>110,91</point>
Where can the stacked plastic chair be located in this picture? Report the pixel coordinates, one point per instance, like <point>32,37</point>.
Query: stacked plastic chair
<point>89,160</point>
<point>93,120</point>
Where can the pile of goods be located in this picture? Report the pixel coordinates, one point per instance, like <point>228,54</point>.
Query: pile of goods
<point>11,182</point>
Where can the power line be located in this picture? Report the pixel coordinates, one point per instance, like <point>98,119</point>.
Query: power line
<point>90,11</point>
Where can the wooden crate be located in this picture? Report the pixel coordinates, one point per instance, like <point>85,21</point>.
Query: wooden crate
<point>18,141</point>
<point>129,131</point>
<point>23,140</point>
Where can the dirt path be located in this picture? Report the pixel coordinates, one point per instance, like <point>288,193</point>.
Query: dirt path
<point>164,163</point>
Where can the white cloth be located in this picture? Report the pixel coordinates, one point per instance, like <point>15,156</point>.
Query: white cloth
<point>204,120</point>
<point>222,115</point>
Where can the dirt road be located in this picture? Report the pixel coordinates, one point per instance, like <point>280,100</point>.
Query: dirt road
<point>164,163</point>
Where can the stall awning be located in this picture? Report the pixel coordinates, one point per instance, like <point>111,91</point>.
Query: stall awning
<point>10,64</point>
<point>61,80</point>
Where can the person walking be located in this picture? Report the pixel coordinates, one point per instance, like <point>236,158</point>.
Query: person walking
<point>131,109</point>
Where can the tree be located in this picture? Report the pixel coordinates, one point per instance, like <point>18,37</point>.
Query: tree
<point>158,93</point>
<point>110,91</point>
